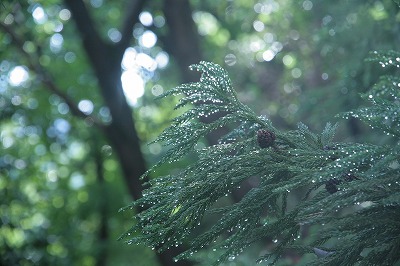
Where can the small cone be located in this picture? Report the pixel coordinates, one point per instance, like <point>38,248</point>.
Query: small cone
<point>265,138</point>
<point>331,185</point>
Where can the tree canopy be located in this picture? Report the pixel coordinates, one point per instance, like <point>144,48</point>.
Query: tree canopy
<point>78,81</point>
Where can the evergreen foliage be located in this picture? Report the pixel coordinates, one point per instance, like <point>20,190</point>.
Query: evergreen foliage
<point>352,190</point>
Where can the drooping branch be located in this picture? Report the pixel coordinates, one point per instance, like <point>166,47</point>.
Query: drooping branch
<point>184,43</point>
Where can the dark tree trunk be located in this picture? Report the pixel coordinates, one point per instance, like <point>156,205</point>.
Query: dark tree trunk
<point>103,230</point>
<point>105,60</point>
<point>182,40</point>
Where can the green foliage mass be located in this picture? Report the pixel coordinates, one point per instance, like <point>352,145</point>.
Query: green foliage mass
<point>54,207</point>
<point>357,222</point>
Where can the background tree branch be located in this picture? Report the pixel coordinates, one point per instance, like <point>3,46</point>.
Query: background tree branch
<point>34,65</point>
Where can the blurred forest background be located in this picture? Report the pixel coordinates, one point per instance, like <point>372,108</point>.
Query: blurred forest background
<point>78,80</point>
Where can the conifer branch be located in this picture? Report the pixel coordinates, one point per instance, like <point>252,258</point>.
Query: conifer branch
<point>360,178</point>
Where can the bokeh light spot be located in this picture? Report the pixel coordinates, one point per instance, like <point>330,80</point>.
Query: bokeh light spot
<point>258,25</point>
<point>162,59</point>
<point>146,62</point>
<point>64,14</point>
<point>288,61</point>
<point>132,85</point>
<point>96,3</point>
<point>86,106</point>
<point>296,73</point>
<point>268,55</point>
<point>69,57</point>
<point>230,59</point>
<point>18,76</point>
<point>146,18</point>
<point>157,90</point>
<point>62,125</point>
<point>76,181</point>
<point>159,21</point>
<point>56,42</point>
<point>114,35</point>
<point>39,15</point>
<point>148,39</point>
<point>307,5</point>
